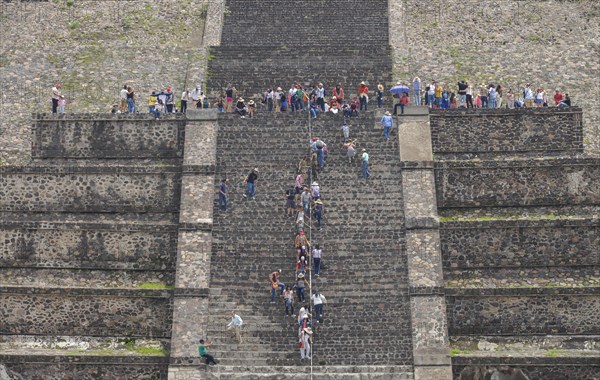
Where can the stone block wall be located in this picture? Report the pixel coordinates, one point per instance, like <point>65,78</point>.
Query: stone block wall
<point>482,133</point>
<point>108,136</point>
<point>548,368</point>
<point>89,189</point>
<point>91,246</point>
<point>523,311</point>
<point>109,312</point>
<point>520,243</point>
<point>84,368</point>
<point>517,183</point>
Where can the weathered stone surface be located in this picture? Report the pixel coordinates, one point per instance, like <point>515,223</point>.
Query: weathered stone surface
<point>481,133</point>
<point>193,259</point>
<point>557,368</point>
<point>82,312</point>
<point>429,373</point>
<point>98,246</point>
<point>424,261</point>
<point>190,317</point>
<point>517,183</point>
<point>419,189</point>
<point>414,134</point>
<point>430,333</point>
<point>513,243</point>
<point>108,136</point>
<point>524,313</point>
<point>87,368</point>
<point>89,189</point>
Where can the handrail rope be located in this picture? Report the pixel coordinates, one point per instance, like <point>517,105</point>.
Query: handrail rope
<point>310,255</point>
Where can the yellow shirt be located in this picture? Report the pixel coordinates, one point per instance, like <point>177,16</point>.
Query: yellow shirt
<point>438,91</point>
<point>151,100</point>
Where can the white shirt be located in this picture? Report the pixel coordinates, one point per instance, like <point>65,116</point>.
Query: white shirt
<point>318,300</point>
<point>185,95</point>
<point>123,94</point>
<point>302,314</point>
<point>195,94</point>
<point>540,95</point>
<point>55,93</point>
<point>316,253</point>
<point>235,321</point>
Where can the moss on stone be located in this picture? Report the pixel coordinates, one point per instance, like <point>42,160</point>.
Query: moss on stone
<point>460,352</point>
<point>155,285</point>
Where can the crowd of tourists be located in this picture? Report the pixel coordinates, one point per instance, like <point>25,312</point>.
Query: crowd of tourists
<point>316,99</point>
<point>436,94</point>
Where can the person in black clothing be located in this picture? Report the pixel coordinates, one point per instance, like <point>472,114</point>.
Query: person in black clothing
<point>290,204</point>
<point>240,108</point>
<point>251,184</point>
<point>462,93</point>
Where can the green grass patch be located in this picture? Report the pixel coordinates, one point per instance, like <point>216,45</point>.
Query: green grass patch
<point>151,351</point>
<point>552,353</point>
<point>458,351</point>
<point>155,285</point>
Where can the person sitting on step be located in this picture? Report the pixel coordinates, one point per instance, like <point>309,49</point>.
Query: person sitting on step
<point>251,108</point>
<point>240,108</point>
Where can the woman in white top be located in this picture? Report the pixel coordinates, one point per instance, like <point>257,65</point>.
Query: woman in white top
<point>318,300</point>
<point>185,96</point>
<point>539,97</point>
<point>304,341</point>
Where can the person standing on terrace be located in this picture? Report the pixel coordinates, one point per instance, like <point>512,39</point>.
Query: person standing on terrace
<point>417,91</point>
<point>230,92</point>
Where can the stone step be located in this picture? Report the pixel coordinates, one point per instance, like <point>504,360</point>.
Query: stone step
<point>24,276</point>
<point>296,371</point>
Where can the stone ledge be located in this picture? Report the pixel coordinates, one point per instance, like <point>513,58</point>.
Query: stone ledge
<point>417,165</point>
<point>431,359</point>
<point>73,292</point>
<point>191,292</point>
<point>469,112</point>
<point>205,114</point>
<point>512,223</point>
<point>83,359</point>
<point>529,361</point>
<point>483,292</point>
<point>198,169</point>
<point>89,169</point>
<point>205,226</point>
<point>520,163</point>
<point>107,116</point>
<point>421,222</point>
<point>426,291</point>
<point>108,226</point>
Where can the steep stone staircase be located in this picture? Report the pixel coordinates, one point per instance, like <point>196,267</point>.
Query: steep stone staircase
<point>366,321</point>
<point>266,44</point>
